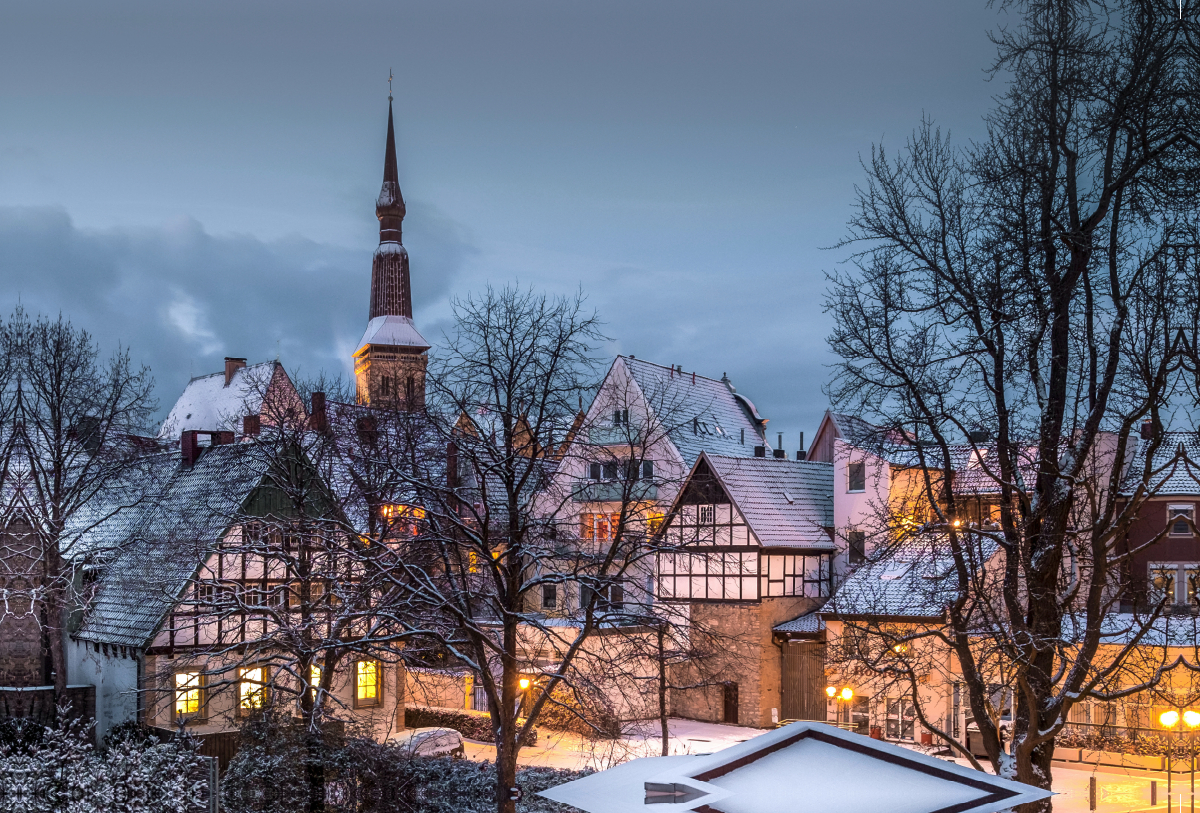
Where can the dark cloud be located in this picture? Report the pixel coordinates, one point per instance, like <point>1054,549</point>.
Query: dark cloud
<point>181,298</point>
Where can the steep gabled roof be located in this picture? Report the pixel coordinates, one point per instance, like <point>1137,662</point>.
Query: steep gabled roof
<point>786,503</point>
<point>208,403</point>
<point>700,414</point>
<point>1175,469</point>
<point>159,544</point>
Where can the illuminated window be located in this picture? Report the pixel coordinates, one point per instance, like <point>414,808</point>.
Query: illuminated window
<point>252,688</point>
<point>654,521</point>
<point>189,694</point>
<point>472,562</point>
<point>366,683</point>
<point>402,519</point>
<point>314,676</point>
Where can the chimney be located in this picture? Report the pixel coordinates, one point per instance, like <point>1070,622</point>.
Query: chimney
<point>800,453</point>
<point>760,451</point>
<point>221,438</point>
<point>232,365</point>
<point>316,415</point>
<point>1147,430</point>
<point>779,454</point>
<point>189,443</point>
<point>251,424</point>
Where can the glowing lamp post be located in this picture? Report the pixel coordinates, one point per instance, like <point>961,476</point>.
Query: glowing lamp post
<point>1171,719</point>
<point>842,698</point>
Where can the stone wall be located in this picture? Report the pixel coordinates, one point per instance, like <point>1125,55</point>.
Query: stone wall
<point>23,654</point>
<point>743,652</point>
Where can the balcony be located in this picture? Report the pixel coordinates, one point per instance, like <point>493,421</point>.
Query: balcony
<point>613,490</point>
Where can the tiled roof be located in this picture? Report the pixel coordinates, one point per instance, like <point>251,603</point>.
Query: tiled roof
<point>1175,468</point>
<point>917,580</point>
<point>702,414</point>
<point>853,429</point>
<point>208,404</point>
<point>159,544</point>
<point>786,503</point>
<point>809,623</point>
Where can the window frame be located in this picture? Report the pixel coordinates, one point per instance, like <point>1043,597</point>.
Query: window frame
<point>550,591</point>
<point>368,702</point>
<point>1187,510</point>
<point>201,713</point>
<point>264,689</point>
<point>856,554</point>
<point>859,467</point>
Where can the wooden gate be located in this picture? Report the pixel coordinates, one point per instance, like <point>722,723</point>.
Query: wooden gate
<point>803,681</point>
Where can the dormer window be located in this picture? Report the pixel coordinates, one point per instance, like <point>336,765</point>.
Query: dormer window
<point>1181,519</point>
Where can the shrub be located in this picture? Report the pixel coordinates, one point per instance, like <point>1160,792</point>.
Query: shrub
<point>569,710</point>
<point>381,779</point>
<point>474,725</point>
<point>60,770</point>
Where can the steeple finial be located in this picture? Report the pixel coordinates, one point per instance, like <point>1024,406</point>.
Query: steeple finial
<point>389,84</point>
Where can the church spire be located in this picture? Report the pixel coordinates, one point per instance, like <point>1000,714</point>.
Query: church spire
<point>390,291</point>
<point>389,207</point>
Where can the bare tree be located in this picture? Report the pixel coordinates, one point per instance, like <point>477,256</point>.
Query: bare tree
<point>73,421</point>
<point>1021,288</point>
<point>503,525</point>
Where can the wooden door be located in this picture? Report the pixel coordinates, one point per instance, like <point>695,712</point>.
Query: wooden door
<point>803,682</point>
<point>731,702</point>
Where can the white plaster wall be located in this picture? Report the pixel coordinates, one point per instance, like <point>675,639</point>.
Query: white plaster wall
<point>115,679</point>
<point>856,509</point>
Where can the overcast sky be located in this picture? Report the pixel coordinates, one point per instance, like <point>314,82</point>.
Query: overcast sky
<point>198,180</point>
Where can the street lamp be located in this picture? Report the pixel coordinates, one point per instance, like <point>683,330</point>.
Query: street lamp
<point>844,695</point>
<point>1171,719</point>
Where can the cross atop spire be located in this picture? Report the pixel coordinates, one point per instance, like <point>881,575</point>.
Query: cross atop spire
<point>390,81</point>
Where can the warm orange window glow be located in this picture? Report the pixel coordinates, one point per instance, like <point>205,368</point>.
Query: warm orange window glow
<point>654,521</point>
<point>366,681</point>
<point>187,693</point>
<point>402,518</point>
<point>472,562</point>
<point>314,676</point>
<point>252,689</point>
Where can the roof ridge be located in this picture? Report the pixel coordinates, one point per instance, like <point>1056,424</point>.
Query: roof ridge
<point>670,368</point>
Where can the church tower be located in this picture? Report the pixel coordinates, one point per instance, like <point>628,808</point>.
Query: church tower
<point>389,365</point>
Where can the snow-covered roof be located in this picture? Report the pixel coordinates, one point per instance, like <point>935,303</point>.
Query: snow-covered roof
<point>786,503</point>
<point>208,403</point>
<point>1175,468</point>
<point>393,331</point>
<point>914,580</point>
<point>808,624</point>
<point>804,765</point>
<point>701,413</point>
<point>161,542</point>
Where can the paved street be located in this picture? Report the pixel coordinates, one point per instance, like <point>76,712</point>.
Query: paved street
<point>1117,791</point>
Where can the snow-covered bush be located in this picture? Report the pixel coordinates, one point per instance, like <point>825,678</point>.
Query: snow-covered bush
<point>56,769</point>
<point>474,725</point>
<point>380,779</point>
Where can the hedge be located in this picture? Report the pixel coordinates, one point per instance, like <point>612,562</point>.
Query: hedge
<point>474,725</point>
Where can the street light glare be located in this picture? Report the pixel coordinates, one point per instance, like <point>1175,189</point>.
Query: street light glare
<point>848,694</point>
<point>524,684</point>
<point>831,690</point>
<point>1170,719</point>
<point>1192,718</point>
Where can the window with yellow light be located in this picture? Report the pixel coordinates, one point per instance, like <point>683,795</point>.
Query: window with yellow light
<point>252,688</point>
<point>654,521</point>
<point>366,683</point>
<point>403,519</point>
<point>189,695</point>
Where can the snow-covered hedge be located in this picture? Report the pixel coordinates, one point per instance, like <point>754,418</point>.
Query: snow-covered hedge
<point>474,725</point>
<point>379,779</point>
<point>56,769</point>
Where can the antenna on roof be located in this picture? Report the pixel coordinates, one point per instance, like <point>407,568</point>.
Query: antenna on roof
<point>277,349</point>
